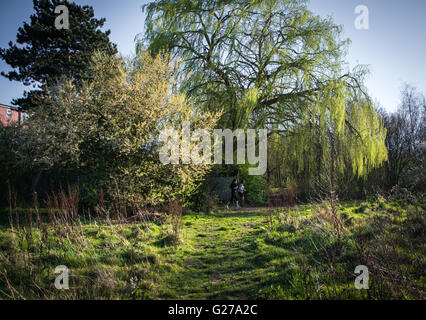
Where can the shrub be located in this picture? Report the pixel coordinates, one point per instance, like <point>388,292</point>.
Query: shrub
<point>109,129</point>
<point>255,186</point>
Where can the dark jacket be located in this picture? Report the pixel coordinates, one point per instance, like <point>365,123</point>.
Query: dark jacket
<point>233,187</point>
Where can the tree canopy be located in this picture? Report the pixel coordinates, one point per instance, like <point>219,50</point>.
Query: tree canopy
<point>271,64</point>
<point>43,55</point>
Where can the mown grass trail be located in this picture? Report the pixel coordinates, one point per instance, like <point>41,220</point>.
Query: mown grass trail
<point>222,257</point>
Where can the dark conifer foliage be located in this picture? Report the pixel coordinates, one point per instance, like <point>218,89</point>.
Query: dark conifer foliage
<point>43,54</point>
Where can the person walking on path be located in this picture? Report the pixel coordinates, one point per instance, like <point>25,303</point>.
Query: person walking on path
<point>241,189</point>
<point>233,187</point>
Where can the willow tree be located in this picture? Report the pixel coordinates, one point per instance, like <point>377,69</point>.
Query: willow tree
<point>268,63</point>
<point>324,152</point>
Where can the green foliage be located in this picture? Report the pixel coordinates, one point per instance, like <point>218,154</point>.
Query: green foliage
<point>109,129</point>
<point>43,55</point>
<point>7,162</point>
<point>273,64</point>
<point>255,186</point>
<point>14,172</point>
<point>204,200</point>
<point>332,145</point>
<point>257,60</point>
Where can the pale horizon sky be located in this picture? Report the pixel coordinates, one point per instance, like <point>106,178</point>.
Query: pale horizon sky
<point>393,47</point>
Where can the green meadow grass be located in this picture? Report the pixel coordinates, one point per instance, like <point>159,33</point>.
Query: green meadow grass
<point>244,254</point>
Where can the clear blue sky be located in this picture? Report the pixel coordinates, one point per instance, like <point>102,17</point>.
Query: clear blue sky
<point>394,47</point>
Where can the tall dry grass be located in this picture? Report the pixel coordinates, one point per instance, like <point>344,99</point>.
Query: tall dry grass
<point>40,239</point>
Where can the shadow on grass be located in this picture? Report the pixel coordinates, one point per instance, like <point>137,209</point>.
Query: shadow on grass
<point>232,214</point>
<point>235,267</point>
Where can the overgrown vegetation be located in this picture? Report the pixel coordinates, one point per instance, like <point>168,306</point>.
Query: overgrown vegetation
<point>108,131</point>
<point>304,252</point>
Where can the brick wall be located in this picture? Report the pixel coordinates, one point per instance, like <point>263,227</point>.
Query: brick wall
<point>9,115</point>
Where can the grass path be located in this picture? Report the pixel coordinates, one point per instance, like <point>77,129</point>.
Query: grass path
<point>223,257</point>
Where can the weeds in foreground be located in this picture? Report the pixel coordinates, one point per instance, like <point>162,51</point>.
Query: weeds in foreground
<point>35,243</point>
<point>389,241</point>
<point>175,210</point>
<point>304,252</point>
